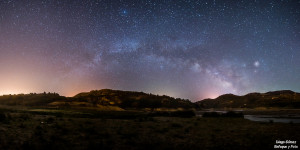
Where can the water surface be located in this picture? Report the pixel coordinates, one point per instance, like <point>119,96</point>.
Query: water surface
<point>269,118</point>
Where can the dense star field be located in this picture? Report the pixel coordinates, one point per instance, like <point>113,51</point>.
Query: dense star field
<point>191,49</point>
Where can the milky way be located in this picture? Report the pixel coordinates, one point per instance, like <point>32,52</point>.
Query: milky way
<point>189,49</point>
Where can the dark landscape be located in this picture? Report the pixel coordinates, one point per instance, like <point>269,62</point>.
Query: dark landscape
<point>112,119</point>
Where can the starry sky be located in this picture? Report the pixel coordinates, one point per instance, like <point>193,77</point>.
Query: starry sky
<point>191,49</point>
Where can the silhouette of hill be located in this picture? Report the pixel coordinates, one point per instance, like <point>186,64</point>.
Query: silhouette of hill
<point>284,98</point>
<point>105,99</point>
<point>130,99</point>
<point>32,99</point>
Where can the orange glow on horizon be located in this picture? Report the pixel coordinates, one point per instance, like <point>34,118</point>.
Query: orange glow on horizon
<point>212,95</point>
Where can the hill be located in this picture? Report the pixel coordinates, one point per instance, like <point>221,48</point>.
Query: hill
<point>107,99</point>
<point>285,98</point>
<point>104,99</point>
<point>129,100</point>
<point>32,99</point>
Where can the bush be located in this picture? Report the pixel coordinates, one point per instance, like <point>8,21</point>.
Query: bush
<point>176,125</point>
<point>50,120</point>
<point>25,116</point>
<point>158,113</point>
<point>211,114</point>
<point>2,117</point>
<point>233,114</point>
<point>187,113</point>
<point>229,114</point>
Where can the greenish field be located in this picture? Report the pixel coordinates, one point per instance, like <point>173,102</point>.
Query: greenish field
<point>90,129</point>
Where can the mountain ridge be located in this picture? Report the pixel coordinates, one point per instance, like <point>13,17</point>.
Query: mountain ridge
<point>120,100</point>
<point>282,98</point>
<point>104,99</point>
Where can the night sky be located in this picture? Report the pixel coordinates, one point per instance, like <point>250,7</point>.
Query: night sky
<point>192,49</point>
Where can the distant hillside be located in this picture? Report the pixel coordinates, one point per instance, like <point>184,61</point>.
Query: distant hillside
<point>108,99</point>
<point>105,99</point>
<point>129,99</point>
<point>286,98</point>
<point>32,99</point>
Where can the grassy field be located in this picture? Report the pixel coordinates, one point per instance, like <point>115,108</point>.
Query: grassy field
<point>90,129</point>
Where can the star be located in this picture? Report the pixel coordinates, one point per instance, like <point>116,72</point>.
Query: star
<point>256,63</point>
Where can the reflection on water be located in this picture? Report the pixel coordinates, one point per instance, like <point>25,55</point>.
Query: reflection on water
<point>265,118</point>
<point>260,118</point>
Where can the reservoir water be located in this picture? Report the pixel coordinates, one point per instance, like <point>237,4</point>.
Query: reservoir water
<point>266,118</point>
<point>263,118</point>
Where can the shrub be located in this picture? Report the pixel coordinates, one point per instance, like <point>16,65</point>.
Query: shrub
<point>211,114</point>
<point>187,113</point>
<point>176,125</point>
<point>50,120</point>
<point>2,117</point>
<point>233,114</point>
<point>229,114</point>
<point>25,116</point>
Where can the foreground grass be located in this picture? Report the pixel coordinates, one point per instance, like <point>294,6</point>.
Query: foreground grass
<point>117,130</point>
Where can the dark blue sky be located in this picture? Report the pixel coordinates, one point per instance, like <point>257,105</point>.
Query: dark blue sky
<point>191,49</point>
